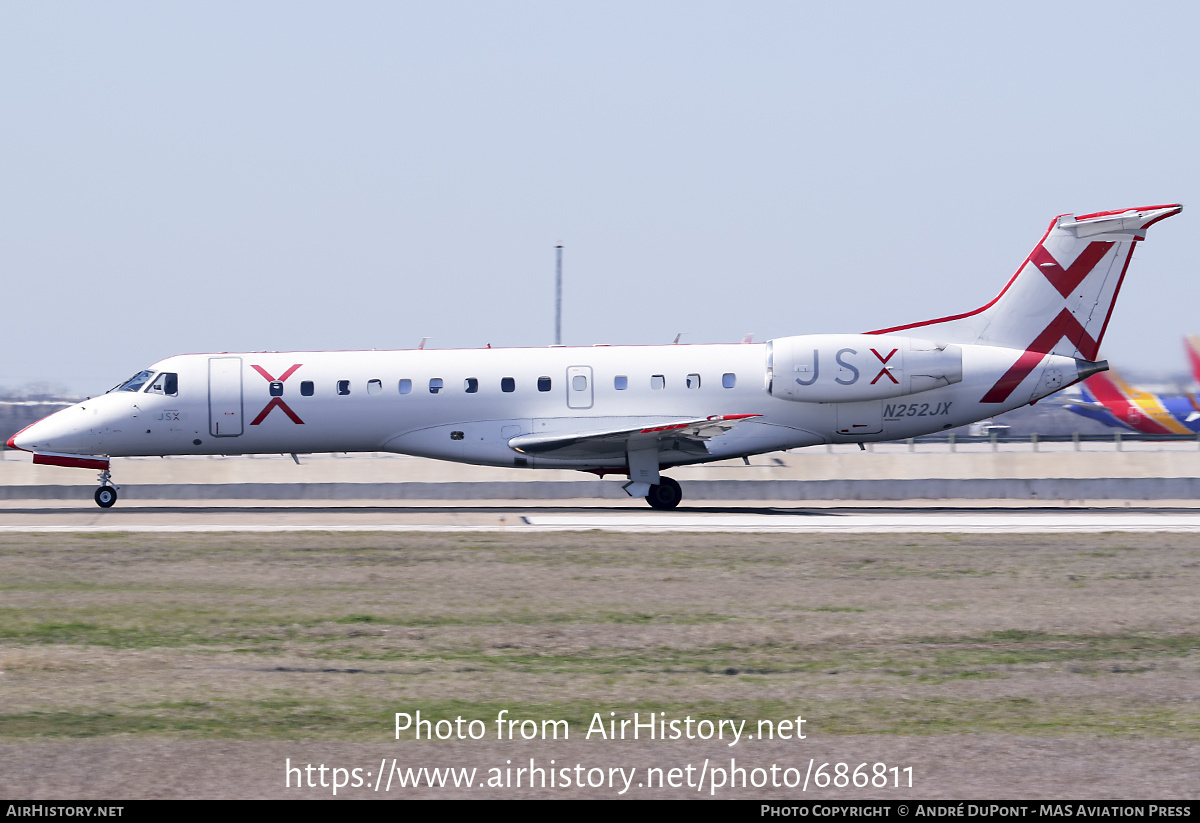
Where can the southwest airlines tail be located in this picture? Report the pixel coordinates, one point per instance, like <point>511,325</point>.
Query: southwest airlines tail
<point>1192,344</point>
<point>1111,400</point>
<point>1061,297</point>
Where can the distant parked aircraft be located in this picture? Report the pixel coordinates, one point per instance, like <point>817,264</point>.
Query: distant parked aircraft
<point>1110,400</point>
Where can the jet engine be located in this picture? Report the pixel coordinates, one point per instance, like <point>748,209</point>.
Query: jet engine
<point>844,368</point>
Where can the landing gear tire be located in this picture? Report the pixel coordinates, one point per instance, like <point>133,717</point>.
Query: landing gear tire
<point>106,496</point>
<point>665,496</point>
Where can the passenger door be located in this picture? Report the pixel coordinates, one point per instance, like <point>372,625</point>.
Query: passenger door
<point>225,396</point>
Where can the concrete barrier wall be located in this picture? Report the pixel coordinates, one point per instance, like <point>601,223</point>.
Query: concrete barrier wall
<point>1170,473</point>
<point>1145,488</point>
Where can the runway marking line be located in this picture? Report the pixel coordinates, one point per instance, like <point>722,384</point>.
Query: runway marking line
<point>818,523</point>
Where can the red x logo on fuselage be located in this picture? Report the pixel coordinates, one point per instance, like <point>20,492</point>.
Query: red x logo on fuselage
<point>1063,325</point>
<point>885,371</point>
<point>276,401</point>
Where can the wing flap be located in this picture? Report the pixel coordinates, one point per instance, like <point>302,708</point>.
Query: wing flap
<point>688,435</point>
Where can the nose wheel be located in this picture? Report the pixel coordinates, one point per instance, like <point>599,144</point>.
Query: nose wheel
<point>666,495</point>
<point>106,495</point>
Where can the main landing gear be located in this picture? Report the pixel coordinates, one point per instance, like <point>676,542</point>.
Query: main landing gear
<point>106,495</point>
<point>665,496</point>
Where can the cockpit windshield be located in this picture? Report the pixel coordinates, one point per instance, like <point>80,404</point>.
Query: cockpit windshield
<point>136,382</point>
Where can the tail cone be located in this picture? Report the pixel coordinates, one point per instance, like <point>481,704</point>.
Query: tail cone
<point>1087,368</point>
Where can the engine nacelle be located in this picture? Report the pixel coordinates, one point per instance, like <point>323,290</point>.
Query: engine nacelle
<point>844,368</point>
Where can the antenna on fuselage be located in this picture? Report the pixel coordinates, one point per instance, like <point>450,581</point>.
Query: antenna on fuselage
<point>558,296</point>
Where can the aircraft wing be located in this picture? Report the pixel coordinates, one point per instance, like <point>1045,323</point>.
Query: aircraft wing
<point>1085,405</point>
<point>688,435</point>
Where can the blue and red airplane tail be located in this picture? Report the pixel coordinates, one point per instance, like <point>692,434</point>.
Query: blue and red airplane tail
<point>1191,344</point>
<point>1110,400</point>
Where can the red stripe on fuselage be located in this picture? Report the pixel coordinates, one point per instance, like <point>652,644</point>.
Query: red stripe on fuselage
<point>70,462</point>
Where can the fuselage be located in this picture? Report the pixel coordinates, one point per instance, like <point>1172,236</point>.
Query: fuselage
<point>467,405</point>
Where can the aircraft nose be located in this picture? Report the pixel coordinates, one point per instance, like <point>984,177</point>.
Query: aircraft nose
<point>67,430</point>
<point>20,440</point>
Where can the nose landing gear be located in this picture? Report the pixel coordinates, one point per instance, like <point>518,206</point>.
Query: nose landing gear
<point>106,495</point>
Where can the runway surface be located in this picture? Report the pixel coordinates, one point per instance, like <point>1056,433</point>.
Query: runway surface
<point>1002,517</point>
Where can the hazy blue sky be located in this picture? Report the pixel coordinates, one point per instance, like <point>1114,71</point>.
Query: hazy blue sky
<point>215,176</point>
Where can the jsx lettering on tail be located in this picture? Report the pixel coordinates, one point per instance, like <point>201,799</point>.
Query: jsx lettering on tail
<point>628,410</point>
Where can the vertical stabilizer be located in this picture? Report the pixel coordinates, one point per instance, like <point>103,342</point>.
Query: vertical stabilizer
<point>1060,299</point>
<point>1191,343</point>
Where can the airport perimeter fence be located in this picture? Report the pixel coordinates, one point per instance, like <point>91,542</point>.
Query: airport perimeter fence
<point>1078,491</point>
<point>995,439</point>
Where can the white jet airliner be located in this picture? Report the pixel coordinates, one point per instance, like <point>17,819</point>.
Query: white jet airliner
<point>627,410</point>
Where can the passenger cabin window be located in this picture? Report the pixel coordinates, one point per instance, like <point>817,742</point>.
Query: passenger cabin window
<point>544,384</point>
<point>167,383</point>
<point>374,387</point>
<point>471,384</point>
<point>406,386</point>
<point>343,387</point>
<point>620,382</point>
<point>306,388</point>
<point>693,381</point>
<point>508,384</point>
<point>435,385</point>
<point>657,381</point>
<point>729,380</point>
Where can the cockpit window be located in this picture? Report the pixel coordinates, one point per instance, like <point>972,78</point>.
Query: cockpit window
<point>166,383</point>
<point>136,382</point>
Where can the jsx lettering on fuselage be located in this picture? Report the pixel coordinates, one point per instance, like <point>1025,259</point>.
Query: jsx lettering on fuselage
<point>630,410</point>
